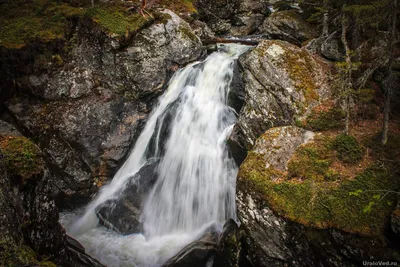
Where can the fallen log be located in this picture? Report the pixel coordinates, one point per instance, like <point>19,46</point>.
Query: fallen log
<point>231,41</point>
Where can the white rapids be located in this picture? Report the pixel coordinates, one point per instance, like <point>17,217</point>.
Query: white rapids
<point>196,177</point>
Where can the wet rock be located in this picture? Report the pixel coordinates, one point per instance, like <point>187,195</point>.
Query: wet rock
<point>282,84</point>
<point>122,213</point>
<point>78,254</point>
<point>88,113</point>
<point>230,246</point>
<point>199,253</point>
<point>28,214</point>
<point>288,25</point>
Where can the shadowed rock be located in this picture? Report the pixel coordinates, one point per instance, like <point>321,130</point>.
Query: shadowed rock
<point>122,214</point>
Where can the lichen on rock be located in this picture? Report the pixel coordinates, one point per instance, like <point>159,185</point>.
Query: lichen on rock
<point>282,84</point>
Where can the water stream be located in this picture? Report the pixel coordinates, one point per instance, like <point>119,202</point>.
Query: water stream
<point>195,188</point>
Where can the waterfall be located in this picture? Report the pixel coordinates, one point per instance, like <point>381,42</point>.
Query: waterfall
<point>195,188</point>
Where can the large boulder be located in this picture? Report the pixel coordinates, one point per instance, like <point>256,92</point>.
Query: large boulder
<point>298,208</point>
<point>282,84</point>
<point>288,25</point>
<point>31,233</point>
<point>122,214</point>
<point>87,113</point>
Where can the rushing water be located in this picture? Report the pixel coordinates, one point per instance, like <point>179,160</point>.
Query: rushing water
<point>195,188</point>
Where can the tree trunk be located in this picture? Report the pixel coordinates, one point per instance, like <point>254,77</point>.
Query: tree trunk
<point>325,20</point>
<point>92,3</point>
<point>388,83</point>
<point>347,84</point>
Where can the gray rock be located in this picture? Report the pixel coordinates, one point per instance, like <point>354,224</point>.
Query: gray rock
<point>29,217</point>
<point>199,253</point>
<point>332,48</point>
<point>288,25</point>
<point>122,214</point>
<point>277,145</point>
<point>282,84</point>
<point>88,114</point>
<point>250,16</point>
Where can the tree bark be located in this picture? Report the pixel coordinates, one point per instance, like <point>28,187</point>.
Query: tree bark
<point>325,20</point>
<point>347,84</point>
<point>388,83</point>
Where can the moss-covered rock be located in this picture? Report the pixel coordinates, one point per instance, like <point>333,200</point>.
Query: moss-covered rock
<point>282,85</point>
<point>315,192</point>
<point>291,213</point>
<point>325,118</point>
<point>348,149</point>
<point>23,158</point>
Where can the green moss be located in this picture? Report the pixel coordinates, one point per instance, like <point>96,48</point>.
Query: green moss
<point>314,194</point>
<point>115,19</point>
<point>325,204</point>
<point>162,17</point>
<point>12,255</point>
<point>299,66</point>
<point>26,21</point>
<point>188,33</point>
<point>312,162</point>
<point>326,120</point>
<point>348,149</point>
<point>23,158</point>
<point>180,6</point>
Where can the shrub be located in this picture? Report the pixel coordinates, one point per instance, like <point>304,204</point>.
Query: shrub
<point>348,149</point>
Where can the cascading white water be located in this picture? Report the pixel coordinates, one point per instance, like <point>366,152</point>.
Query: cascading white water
<point>196,176</point>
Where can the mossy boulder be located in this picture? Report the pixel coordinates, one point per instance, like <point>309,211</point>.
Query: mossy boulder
<point>318,188</point>
<point>282,85</point>
<point>22,157</point>
<point>288,25</point>
<point>330,197</point>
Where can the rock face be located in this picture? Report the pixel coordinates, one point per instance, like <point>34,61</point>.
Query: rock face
<point>395,219</point>
<point>282,84</point>
<point>288,25</point>
<point>249,17</point>
<point>87,114</point>
<point>273,240</point>
<point>218,14</point>
<point>123,213</point>
<point>199,253</point>
<point>332,48</point>
<point>233,17</point>
<point>31,233</point>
